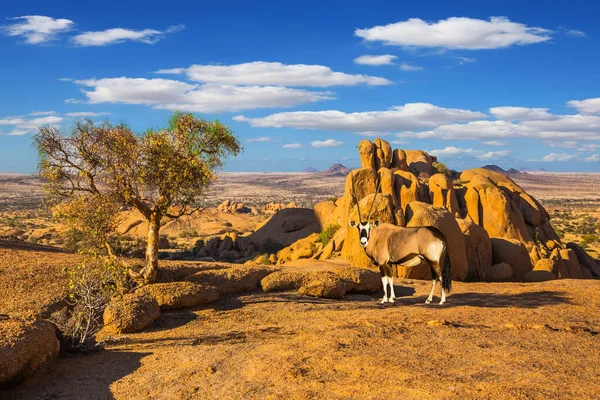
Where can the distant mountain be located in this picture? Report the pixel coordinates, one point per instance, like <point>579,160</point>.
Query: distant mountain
<point>525,169</point>
<point>495,168</point>
<point>336,170</point>
<point>310,170</point>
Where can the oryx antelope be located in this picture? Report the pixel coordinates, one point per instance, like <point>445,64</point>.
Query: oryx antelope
<point>389,245</point>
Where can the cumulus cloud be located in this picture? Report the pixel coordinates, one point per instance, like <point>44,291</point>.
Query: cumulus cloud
<point>561,157</point>
<point>456,33</point>
<point>261,139</point>
<point>86,114</point>
<point>496,143</point>
<point>41,113</point>
<point>452,152</point>
<point>384,59</point>
<point>210,98</point>
<point>587,106</point>
<point>465,60</point>
<point>23,126</point>
<point>37,29</point>
<point>562,127</point>
<point>326,143</point>
<point>593,158</point>
<point>510,113</point>
<point>410,68</point>
<point>120,35</point>
<point>273,73</point>
<point>292,146</point>
<point>372,134</point>
<point>407,117</point>
<point>576,33</point>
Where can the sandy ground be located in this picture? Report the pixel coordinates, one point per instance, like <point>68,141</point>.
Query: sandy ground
<point>496,341</point>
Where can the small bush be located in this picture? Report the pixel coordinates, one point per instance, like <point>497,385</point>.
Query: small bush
<point>88,289</point>
<point>189,234</point>
<point>198,245</point>
<point>327,234</point>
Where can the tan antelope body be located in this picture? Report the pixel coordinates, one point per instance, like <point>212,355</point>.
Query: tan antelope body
<point>390,245</point>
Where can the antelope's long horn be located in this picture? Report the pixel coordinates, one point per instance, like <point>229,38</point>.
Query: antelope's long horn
<point>354,195</point>
<point>375,197</point>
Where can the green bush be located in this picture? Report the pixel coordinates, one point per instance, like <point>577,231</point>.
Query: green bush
<point>327,233</point>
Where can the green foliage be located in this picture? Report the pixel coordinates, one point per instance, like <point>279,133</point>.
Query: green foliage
<point>88,289</point>
<point>589,238</point>
<point>440,168</point>
<point>198,245</point>
<point>333,199</point>
<point>189,233</point>
<point>327,234</point>
<point>96,169</point>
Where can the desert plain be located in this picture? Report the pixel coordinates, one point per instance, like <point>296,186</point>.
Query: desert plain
<point>501,340</point>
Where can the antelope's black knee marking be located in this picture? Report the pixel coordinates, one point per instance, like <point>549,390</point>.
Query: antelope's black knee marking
<point>385,270</point>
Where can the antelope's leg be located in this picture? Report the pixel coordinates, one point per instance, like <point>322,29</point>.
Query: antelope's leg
<point>384,280</point>
<point>391,282</point>
<point>443,299</point>
<point>432,290</point>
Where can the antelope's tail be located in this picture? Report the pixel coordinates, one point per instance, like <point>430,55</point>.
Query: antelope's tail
<point>446,271</point>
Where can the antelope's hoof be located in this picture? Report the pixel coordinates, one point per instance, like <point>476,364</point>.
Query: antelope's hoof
<point>427,301</point>
<point>384,300</point>
<point>442,302</point>
<point>391,300</point>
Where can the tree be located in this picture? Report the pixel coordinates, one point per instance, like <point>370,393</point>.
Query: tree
<point>162,173</point>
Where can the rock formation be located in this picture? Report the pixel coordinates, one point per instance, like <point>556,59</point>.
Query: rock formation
<point>495,230</point>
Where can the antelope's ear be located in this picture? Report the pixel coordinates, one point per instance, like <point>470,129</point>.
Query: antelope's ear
<point>352,224</point>
<point>376,222</point>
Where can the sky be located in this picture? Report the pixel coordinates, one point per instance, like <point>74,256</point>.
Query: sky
<point>516,84</point>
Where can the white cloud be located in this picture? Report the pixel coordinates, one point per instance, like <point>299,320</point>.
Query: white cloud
<point>576,33</point>
<point>407,117</point>
<point>465,60</point>
<point>456,33</point>
<point>120,35</point>
<point>210,98</point>
<point>292,146</point>
<point>273,73</point>
<point>496,143</point>
<point>587,106</point>
<point>560,157</point>
<point>41,113</point>
<point>384,59</point>
<point>37,29</point>
<point>326,143</point>
<point>261,139</point>
<point>562,127</point>
<point>452,152</point>
<point>593,158</point>
<point>86,114</point>
<point>22,126</point>
<point>510,113</point>
<point>410,68</point>
<point>372,134</point>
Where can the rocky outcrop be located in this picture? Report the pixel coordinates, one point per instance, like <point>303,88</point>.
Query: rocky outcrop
<point>25,347</point>
<point>229,206</point>
<point>482,204</point>
<point>272,208</point>
<point>284,228</point>
<point>479,249</point>
<point>174,295</point>
<point>130,313</point>
<point>423,214</point>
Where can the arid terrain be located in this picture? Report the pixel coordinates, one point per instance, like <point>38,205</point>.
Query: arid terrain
<point>491,340</point>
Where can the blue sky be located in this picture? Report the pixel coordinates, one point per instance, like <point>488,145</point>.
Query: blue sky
<point>301,83</point>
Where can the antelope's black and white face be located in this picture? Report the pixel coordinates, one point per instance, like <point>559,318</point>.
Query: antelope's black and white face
<point>364,231</point>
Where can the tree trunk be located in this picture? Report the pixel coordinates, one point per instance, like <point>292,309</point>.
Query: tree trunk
<point>151,270</point>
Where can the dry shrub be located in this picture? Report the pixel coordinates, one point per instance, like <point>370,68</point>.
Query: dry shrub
<point>89,287</point>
